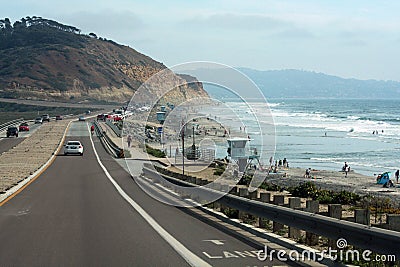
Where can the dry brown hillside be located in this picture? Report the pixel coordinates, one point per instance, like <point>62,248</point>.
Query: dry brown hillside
<point>43,59</point>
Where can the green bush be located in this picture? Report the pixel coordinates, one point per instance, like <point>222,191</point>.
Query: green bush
<point>155,152</point>
<point>345,197</point>
<point>219,169</point>
<point>231,213</point>
<point>310,190</point>
<point>271,187</point>
<point>307,189</point>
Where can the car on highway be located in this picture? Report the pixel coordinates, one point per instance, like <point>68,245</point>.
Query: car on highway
<point>46,117</point>
<point>12,131</point>
<point>59,117</point>
<point>117,117</point>
<point>101,117</point>
<point>73,147</point>
<point>23,127</point>
<point>39,120</point>
<point>81,118</point>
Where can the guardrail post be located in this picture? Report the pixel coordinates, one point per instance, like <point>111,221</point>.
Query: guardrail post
<point>334,211</point>
<point>278,200</point>
<point>224,188</point>
<point>294,202</point>
<point>234,191</point>
<point>264,197</point>
<point>217,187</point>
<point>393,222</point>
<point>243,192</point>
<point>254,196</point>
<point>313,207</point>
<point>362,216</point>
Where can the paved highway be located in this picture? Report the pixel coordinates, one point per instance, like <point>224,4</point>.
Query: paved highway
<point>73,215</point>
<point>8,143</point>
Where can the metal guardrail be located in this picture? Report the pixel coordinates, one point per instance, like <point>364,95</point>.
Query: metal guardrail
<point>115,129</point>
<point>362,236</point>
<point>4,126</point>
<point>107,143</point>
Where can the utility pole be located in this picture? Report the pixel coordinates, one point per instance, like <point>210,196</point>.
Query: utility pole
<point>183,150</point>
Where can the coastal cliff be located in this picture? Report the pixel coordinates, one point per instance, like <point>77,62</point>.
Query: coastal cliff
<point>41,59</point>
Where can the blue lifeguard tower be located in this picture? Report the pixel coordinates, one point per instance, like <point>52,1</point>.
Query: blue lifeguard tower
<point>161,116</point>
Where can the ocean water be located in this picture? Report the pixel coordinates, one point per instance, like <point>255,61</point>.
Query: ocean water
<point>321,133</point>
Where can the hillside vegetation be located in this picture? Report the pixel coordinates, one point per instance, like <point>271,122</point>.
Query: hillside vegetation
<point>46,60</point>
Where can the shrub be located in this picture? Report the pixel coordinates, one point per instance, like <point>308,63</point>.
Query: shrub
<point>155,152</point>
<point>345,197</point>
<point>218,172</point>
<point>231,213</point>
<point>307,189</point>
<point>271,187</point>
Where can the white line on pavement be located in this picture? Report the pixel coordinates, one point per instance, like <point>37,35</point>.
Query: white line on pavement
<point>189,256</point>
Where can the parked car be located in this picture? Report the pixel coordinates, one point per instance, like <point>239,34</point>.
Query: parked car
<point>59,117</point>
<point>117,118</point>
<point>46,117</point>
<point>73,147</point>
<point>101,117</point>
<point>39,120</point>
<point>23,127</point>
<point>81,118</point>
<point>12,131</point>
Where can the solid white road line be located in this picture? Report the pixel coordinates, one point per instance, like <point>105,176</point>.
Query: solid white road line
<point>189,256</point>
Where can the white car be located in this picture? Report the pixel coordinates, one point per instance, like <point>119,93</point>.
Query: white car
<point>39,120</point>
<point>73,147</point>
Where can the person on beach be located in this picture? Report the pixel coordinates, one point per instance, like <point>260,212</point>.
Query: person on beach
<point>308,173</point>
<point>396,174</point>
<point>345,166</point>
<point>284,162</point>
<point>388,184</point>
<point>346,169</point>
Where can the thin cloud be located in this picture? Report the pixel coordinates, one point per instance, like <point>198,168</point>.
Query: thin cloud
<point>293,33</point>
<point>236,22</point>
<point>112,23</point>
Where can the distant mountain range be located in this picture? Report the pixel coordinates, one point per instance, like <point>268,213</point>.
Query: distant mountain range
<point>306,84</point>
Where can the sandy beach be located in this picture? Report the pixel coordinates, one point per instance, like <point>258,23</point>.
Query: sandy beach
<point>325,179</point>
<point>335,180</point>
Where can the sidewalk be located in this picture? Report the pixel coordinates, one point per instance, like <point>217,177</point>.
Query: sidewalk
<point>135,150</point>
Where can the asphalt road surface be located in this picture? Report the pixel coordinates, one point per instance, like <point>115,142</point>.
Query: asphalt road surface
<point>72,215</point>
<point>6,143</point>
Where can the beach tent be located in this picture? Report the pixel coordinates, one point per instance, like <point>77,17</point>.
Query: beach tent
<point>383,178</point>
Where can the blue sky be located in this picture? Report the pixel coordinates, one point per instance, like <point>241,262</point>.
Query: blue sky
<point>347,38</point>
